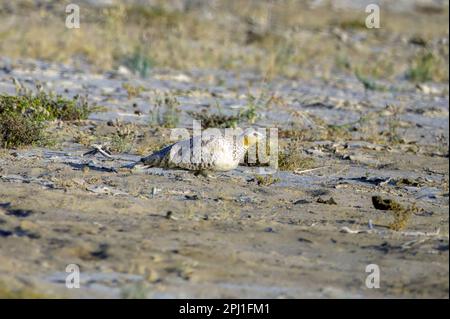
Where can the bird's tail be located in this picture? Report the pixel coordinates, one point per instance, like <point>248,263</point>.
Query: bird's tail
<point>157,159</point>
<point>153,160</point>
<point>131,165</point>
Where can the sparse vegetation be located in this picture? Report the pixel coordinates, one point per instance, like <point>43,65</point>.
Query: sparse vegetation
<point>83,138</point>
<point>22,117</point>
<point>137,290</point>
<point>248,114</point>
<point>425,67</point>
<point>46,106</point>
<point>209,120</point>
<point>19,130</point>
<point>381,127</point>
<point>251,111</point>
<point>353,24</point>
<point>266,180</point>
<point>21,293</point>
<point>369,127</point>
<point>369,84</point>
<point>166,111</point>
<point>301,194</point>
<point>142,37</point>
<point>290,158</point>
<point>393,124</point>
<point>121,142</point>
<point>139,62</point>
<point>132,91</point>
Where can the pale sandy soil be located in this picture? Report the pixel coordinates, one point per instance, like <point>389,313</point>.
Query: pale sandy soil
<point>365,110</point>
<point>226,236</point>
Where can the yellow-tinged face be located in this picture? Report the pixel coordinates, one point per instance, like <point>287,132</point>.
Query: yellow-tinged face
<point>251,137</point>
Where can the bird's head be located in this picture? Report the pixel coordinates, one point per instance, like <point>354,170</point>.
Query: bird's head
<point>251,137</point>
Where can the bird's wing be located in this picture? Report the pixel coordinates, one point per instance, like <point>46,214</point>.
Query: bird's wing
<point>189,154</point>
<point>159,158</point>
<point>196,153</point>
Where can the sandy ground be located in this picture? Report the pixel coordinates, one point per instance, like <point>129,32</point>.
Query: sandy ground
<point>364,111</point>
<point>165,234</point>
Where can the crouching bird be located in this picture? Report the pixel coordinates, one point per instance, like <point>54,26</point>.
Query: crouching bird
<point>203,154</point>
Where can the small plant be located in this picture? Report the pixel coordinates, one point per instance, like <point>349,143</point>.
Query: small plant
<point>352,24</point>
<point>290,159</point>
<point>342,62</point>
<point>247,114</point>
<point>22,116</point>
<point>214,120</point>
<point>122,139</point>
<point>19,130</point>
<point>137,290</point>
<point>254,104</point>
<point>393,125</point>
<point>336,133</point>
<point>121,143</point>
<point>132,91</point>
<point>369,84</point>
<point>423,68</point>
<point>151,16</point>
<point>45,106</point>
<point>294,134</point>
<point>69,110</point>
<point>166,112</point>
<point>365,123</point>
<point>139,62</point>
<point>23,292</point>
<point>266,180</point>
<point>83,138</point>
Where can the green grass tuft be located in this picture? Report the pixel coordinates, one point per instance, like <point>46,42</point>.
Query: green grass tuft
<point>139,62</point>
<point>22,117</point>
<point>423,68</point>
<point>368,83</point>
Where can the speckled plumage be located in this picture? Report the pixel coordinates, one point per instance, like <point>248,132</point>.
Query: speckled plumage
<point>218,153</point>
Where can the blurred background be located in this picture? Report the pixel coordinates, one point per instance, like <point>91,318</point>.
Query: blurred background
<point>290,38</point>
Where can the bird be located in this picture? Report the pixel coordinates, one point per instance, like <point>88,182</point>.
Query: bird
<point>203,153</point>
